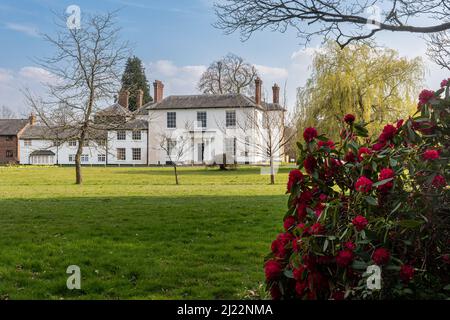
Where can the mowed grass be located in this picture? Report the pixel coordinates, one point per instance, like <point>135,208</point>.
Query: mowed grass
<point>136,235</point>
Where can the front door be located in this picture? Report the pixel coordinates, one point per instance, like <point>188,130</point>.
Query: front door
<point>201,152</point>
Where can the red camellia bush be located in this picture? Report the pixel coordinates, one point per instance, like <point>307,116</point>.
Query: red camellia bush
<point>360,202</point>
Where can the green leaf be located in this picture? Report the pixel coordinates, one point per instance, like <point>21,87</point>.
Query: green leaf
<point>447,287</point>
<point>410,224</point>
<point>382,182</point>
<point>371,200</point>
<point>393,162</point>
<point>289,274</point>
<point>359,265</point>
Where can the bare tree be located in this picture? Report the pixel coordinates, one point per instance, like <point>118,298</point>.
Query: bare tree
<point>264,133</point>
<point>230,74</point>
<point>7,113</point>
<point>86,65</point>
<point>439,48</point>
<point>176,145</point>
<point>344,21</point>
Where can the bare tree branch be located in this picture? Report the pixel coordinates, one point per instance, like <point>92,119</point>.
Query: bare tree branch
<point>343,21</point>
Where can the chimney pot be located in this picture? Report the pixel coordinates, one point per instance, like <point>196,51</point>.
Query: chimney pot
<point>258,85</point>
<point>32,119</point>
<point>158,91</point>
<point>276,94</point>
<point>139,98</point>
<point>124,96</point>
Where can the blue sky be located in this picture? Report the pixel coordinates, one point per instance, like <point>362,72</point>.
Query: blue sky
<point>174,39</point>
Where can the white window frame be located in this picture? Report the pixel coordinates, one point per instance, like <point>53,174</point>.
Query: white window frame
<point>230,118</point>
<point>137,135</point>
<point>171,122</point>
<point>121,135</point>
<point>202,122</point>
<point>124,154</point>
<point>135,152</point>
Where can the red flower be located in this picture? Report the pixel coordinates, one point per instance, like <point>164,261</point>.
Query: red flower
<point>298,273</point>
<point>378,146</point>
<point>329,144</point>
<point>310,134</point>
<point>350,245</point>
<point>444,83</point>
<point>350,157</point>
<point>289,222</point>
<point>301,211</point>
<point>381,256</point>
<point>399,123</point>
<point>305,197</point>
<point>386,173</point>
<point>310,164</point>
<point>338,295</point>
<point>349,118</point>
<point>300,288</point>
<point>272,270</point>
<point>425,96</point>
<point>406,273</point>
<point>431,154</point>
<point>316,228</point>
<point>344,258</point>
<point>439,181</point>
<point>296,244</point>
<point>363,184</point>
<point>360,222</point>
<point>363,151</point>
<point>388,133</point>
<point>275,292</point>
<point>295,176</point>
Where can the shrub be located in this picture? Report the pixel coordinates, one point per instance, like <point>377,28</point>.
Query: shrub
<point>362,202</point>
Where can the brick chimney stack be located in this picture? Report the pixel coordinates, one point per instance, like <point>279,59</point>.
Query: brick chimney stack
<point>124,96</point>
<point>159,91</point>
<point>32,119</point>
<point>139,98</point>
<point>276,94</point>
<point>258,85</point>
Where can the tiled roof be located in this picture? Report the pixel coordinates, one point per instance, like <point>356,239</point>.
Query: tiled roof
<point>207,101</point>
<point>115,109</point>
<point>11,127</point>
<point>42,153</point>
<point>40,132</point>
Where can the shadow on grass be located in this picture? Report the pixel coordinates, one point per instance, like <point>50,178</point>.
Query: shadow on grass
<point>199,247</point>
<point>168,171</point>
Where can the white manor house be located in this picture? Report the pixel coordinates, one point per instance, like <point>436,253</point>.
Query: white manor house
<point>188,130</point>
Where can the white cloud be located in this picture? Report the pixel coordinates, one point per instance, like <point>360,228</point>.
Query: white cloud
<point>25,29</point>
<point>5,75</point>
<point>37,74</point>
<point>176,79</point>
<point>13,82</point>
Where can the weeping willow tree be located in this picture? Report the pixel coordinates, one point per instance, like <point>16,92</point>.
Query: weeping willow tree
<point>375,84</point>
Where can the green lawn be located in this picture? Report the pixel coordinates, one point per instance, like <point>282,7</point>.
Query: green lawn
<point>134,234</point>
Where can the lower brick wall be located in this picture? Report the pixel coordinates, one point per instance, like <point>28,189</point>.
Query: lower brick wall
<point>11,145</point>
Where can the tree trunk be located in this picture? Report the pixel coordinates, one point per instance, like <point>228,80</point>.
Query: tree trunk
<point>176,175</point>
<point>78,175</point>
<point>272,171</point>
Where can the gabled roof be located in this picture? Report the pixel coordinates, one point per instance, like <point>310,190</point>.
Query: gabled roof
<point>41,132</point>
<point>42,153</point>
<point>11,127</point>
<point>202,101</point>
<point>114,110</point>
